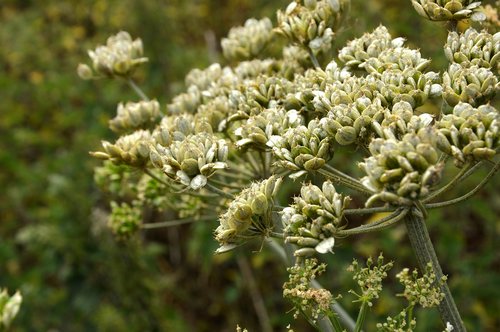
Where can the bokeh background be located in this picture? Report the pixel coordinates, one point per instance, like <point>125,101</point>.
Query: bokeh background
<point>74,276</point>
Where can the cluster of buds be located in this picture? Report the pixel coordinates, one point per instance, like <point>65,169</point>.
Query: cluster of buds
<point>248,41</point>
<point>402,171</point>
<point>254,68</point>
<point>310,23</point>
<point>370,45</point>
<point>132,149</point>
<point>316,302</point>
<point>350,123</point>
<point>204,78</point>
<point>125,219</point>
<point>258,129</point>
<point>446,10</point>
<point>186,102</point>
<point>395,58</point>
<point>469,134</point>
<point>248,215</point>
<point>132,116</point>
<point>474,48</point>
<point>193,160</point>
<point>9,307</point>
<point>410,85</point>
<point>116,180</point>
<point>400,121</point>
<point>313,220</point>
<point>473,85</point>
<point>158,195</point>
<point>425,291</point>
<point>119,57</point>
<point>302,148</point>
<point>369,278</point>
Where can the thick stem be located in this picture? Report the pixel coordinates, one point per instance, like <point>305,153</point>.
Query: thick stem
<point>425,253</point>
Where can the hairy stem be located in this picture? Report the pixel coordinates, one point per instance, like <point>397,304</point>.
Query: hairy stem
<point>425,253</point>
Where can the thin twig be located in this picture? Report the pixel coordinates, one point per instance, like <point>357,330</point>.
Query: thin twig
<point>369,210</point>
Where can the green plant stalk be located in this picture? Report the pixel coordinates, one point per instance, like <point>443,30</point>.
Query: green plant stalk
<point>425,253</point>
<point>361,316</point>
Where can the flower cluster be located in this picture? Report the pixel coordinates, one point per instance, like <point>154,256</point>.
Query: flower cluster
<point>369,278</point>
<point>125,219</point>
<point>474,85</point>
<point>119,57</point>
<point>425,291</point>
<point>446,10</point>
<point>248,214</point>
<point>370,45</point>
<point>9,307</point>
<point>298,290</point>
<point>193,160</point>
<point>259,129</point>
<point>248,41</point>
<point>310,23</point>
<point>132,149</point>
<point>313,220</point>
<point>474,48</point>
<point>470,134</point>
<point>132,116</point>
<point>302,148</point>
<point>402,171</point>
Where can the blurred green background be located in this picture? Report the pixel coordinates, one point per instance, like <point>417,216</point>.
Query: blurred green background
<point>74,276</point>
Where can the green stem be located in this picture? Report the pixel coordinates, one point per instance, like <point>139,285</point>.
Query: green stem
<point>153,176</point>
<point>335,322</point>
<point>216,190</point>
<point>449,185</point>
<point>469,194</point>
<point>368,210</point>
<point>361,316</point>
<point>221,183</point>
<point>176,222</point>
<point>342,181</point>
<point>313,58</point>
<point>343,175</point>
<point>137,90</point>
<point>383,223</point>
<point>425,253</point>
